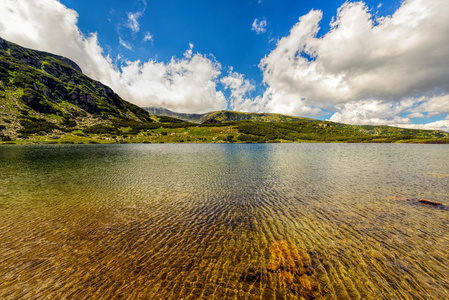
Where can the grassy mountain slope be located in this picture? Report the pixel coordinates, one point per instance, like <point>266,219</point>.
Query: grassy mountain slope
<point>41,88</point>
<point>45,98</point>
<point>228,116</point>
<point>217,117</point>
<point>323,131</point>
<point>196,118</point>
<point>392,131</point>
<point>220,117</point>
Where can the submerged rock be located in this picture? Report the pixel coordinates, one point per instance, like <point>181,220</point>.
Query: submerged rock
<point>429,202</point>
<point>295,269</point>
<point>418,201</point>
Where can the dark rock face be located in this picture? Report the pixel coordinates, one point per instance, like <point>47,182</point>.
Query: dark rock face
<point>3,44</point>
<point>212,121</point>
<point>70,63</point>
<point>83,101</point>
<point>57,70</point>
<point>32,62</point>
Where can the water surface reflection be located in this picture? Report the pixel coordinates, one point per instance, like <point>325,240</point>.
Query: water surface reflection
<point>264,221</point>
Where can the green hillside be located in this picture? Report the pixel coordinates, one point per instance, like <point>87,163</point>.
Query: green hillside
<point>216,117</point>
<point>196,118</point>
<point>392,131</point>
<point>228,116</point>
<point>45,98</point>
<point>40,91</point>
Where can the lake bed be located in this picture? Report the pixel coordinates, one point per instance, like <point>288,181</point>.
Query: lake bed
<point>228,221</point>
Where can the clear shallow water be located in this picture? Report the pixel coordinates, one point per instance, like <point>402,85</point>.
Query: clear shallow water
<point>212,221</point>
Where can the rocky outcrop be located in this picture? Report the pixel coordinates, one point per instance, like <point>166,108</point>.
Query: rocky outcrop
<point>69,62</point>
<point>49,81</point>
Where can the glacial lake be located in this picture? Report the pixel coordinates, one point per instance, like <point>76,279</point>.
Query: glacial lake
<point>224,221</point>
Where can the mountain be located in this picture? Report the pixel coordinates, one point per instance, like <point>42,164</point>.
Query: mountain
<point>229,116</point>
<point>51,90</point>
<point>160,111</point>
<point>45,98</point>
<point>217,117</point>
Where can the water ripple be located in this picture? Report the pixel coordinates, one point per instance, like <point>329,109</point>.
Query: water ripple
<point>201,222</point>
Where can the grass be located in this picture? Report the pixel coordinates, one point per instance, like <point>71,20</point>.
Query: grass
<point>235,132</point>
<point>174,135</point>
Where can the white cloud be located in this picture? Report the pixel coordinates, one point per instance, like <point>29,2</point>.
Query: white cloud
<point>259,26</point>
<point>372,112</point>
<point>148,37</point>
<point>185,85</point>
<point>125,44</point>
<point>240,89</point>
<point>437,125</point>
<point>189,53</point>
<point>358,63</point>
<point>364,70</point>
<point>434,105</point>
<point>416,115</point>
<point>133,22</point>
<point>133,19</point>
<point>377,112</point>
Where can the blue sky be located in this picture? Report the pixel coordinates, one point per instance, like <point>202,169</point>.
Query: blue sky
<point>222,29</point>
<point>374,62</point>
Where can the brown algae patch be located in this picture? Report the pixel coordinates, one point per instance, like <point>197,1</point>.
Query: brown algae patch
<point>295,269</point>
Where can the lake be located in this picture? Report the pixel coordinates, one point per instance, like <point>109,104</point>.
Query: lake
<point>228,221</point>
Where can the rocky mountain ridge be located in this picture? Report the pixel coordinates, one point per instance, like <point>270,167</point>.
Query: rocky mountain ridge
<point>36,84</point>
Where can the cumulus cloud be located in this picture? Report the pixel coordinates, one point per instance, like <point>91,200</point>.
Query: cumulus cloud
<point>434,105</point>
<point>185,85</point>
<point>259,26</point>
<point>373,112</point>
<point>240,89</point>
<point>378,112</point>
<point>361,64</point>
<point>365,70</point>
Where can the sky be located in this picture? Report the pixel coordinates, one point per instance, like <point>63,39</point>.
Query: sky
<point>374,62</point>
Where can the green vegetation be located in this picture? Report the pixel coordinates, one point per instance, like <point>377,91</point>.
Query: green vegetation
<point>40,131</point>
<point>49,84</point>
<point>45,98</point>
<point>229,116</point>
<point>34,125</point>
<point>299,131</point>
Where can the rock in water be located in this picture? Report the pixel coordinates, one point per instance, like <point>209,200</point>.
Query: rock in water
<point>436,204</point>
<point>429,202</point>
<point>295,269</point>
